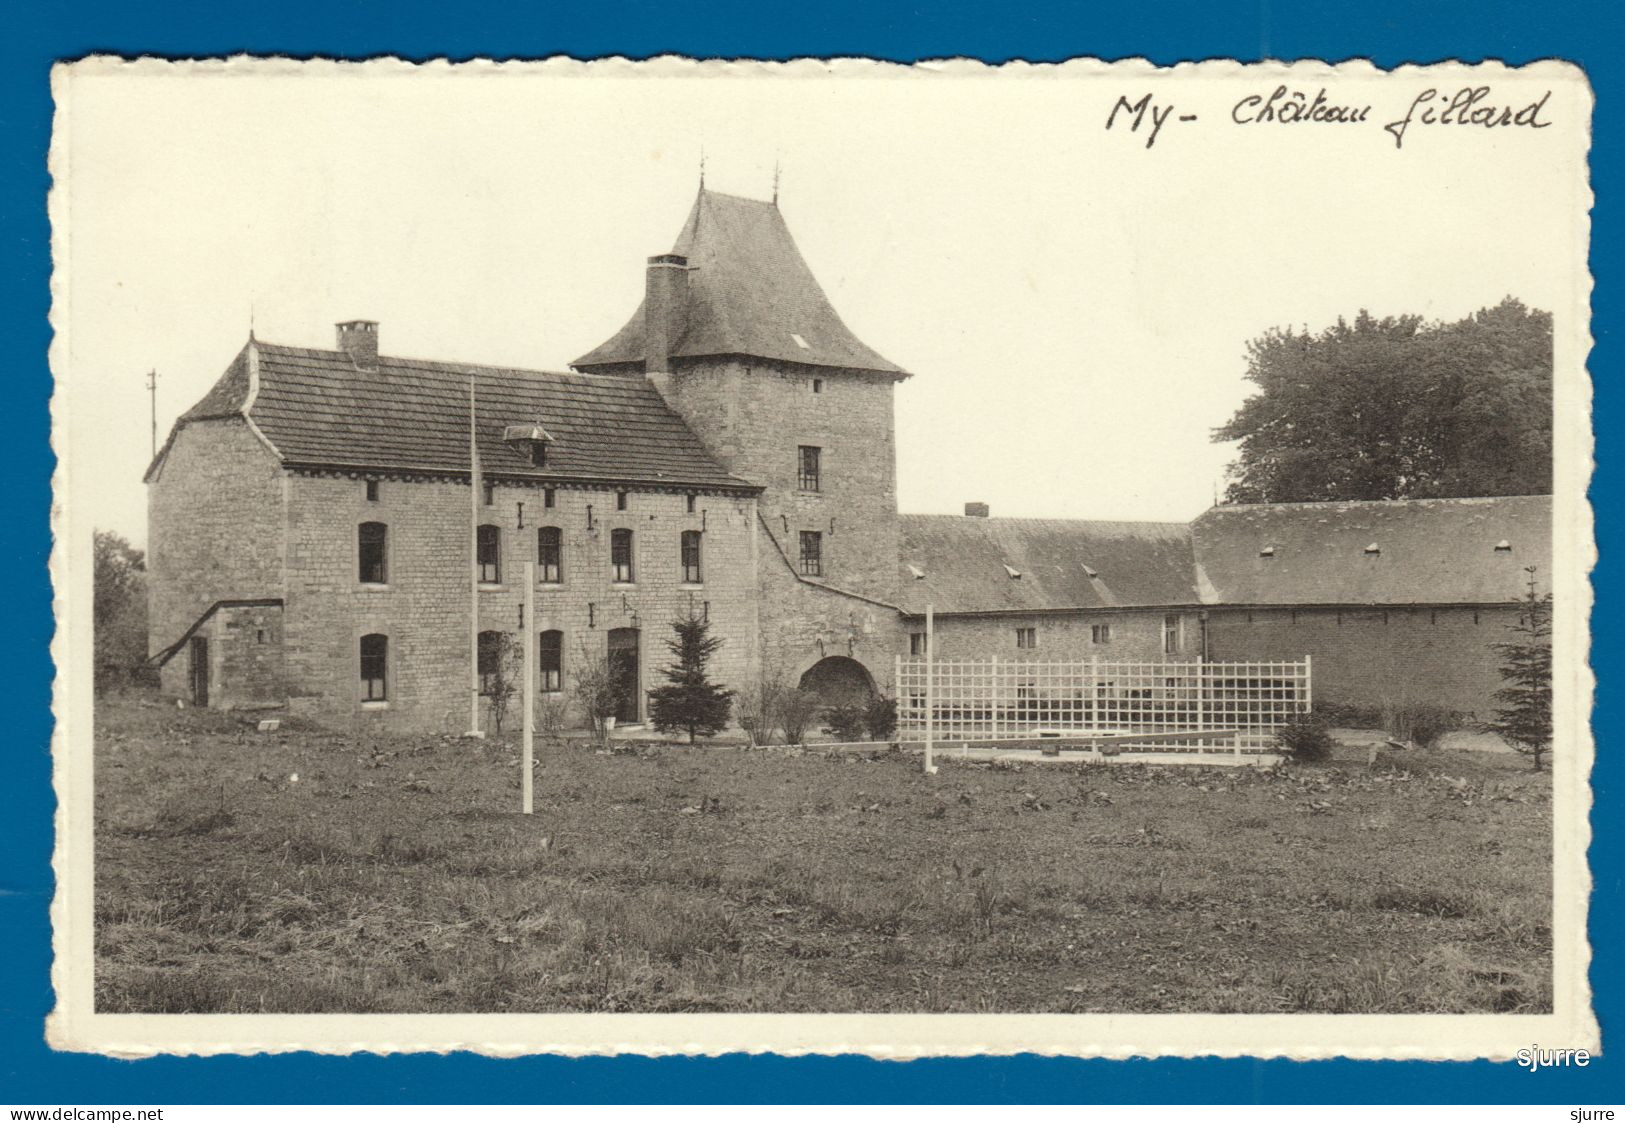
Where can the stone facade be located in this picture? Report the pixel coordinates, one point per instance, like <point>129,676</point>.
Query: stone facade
<point>423,606</point>
<point>1135,635</point>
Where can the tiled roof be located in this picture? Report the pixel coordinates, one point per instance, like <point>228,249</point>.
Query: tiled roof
<point>318,408</point>
<point>1429,551</point>
<point>750,293</point>
<point>963,560</point>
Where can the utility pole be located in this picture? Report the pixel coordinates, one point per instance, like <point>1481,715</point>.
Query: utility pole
<point>152,392</point>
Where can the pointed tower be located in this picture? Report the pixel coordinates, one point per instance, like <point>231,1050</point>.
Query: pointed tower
<point>741,340</point>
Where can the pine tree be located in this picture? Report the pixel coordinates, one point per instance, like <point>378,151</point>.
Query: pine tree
<point>692,701</point>
<point>1524,718</point>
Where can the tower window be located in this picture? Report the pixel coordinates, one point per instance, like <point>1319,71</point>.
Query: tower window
<point>372,491</point>
<point>549,555</point>
<point>374,668</point>
<point>691,557</point>
<point>489,554</point>
<point>807,472</point>
<point>550,661</point>
<point>620,556</point>
<point>812,553</point>
<point>372,546</point>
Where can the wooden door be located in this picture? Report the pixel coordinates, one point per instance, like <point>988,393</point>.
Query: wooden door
<point>623,672</point>
<point>200,671</point>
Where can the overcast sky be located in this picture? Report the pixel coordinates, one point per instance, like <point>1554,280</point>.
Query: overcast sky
<point>1073,305</point>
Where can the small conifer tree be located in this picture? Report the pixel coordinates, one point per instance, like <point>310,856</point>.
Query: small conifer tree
<point>691,701</point>
<point>1524,718</point>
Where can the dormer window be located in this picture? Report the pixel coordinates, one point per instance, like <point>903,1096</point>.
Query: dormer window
<point>531,439</point>
<point>1373,550</point>
<point>1503,547</point>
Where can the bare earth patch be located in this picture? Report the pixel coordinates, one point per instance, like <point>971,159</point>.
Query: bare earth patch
<point>394,874</point>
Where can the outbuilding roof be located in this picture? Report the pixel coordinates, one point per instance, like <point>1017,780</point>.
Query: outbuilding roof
<point>992,565</point>
<point>1410,551</point>
<point>318,408</point>
<point>750,293</point>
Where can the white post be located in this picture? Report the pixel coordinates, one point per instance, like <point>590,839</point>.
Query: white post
<point>897,691</point>
<point>473,571</point>
<point>1094,693</point>
<point>527,754</point>
<point>1308,682</point>
<point>1201,693</point>
<point>930,685</point>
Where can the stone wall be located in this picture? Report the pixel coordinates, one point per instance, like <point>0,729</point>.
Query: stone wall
<point>1136,635</point>
<point>1368,656</point>
<point>214,532</point>
<point>424,605</point>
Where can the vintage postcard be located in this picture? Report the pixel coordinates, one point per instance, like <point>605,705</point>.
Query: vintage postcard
<point>700,557</point>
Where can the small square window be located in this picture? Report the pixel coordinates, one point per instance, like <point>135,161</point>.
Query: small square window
<point>372,491</point>
<point>1027,638</point>
<point>1100,633</point>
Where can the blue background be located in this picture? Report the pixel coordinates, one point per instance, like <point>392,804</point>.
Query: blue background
<point>1389,34</point>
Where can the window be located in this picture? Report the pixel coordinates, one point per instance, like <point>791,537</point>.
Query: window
<point>620,556</point>
<point>691,557</point>
<point>550,661</point>
<point>549,555</point>
<point>1027,637</point>
<point>620,500</point>
<point>490,554</point>
<point>372,542</point>
<point>490,493</point>
<point>916,643</point>
<point>691,499</point>
<point>548,497</point>
<point>1100,633</point>
<point>812,553</point>
<point>538,454</point>
<point>1170,635</point>
<point>807,468</point>
<point>490,661</point>
<point>374,668</point>
<point>372,491</point>
<point>818,385</point>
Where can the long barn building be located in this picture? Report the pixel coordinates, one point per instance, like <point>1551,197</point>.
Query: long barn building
<point>730,452</point>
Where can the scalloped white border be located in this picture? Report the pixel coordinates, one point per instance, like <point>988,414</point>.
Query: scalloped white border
<point>74,1025</point>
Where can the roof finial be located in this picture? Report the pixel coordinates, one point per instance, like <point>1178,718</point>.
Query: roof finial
<point>775,181</point>
<point>251,321</point>
<point>702,167</point>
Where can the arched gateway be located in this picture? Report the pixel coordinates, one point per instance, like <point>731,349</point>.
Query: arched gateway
<point>839,680</point>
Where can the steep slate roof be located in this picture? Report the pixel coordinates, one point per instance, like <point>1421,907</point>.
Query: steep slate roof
<point>1433,551</point>
<point>318,409</point>
<point>964,559</point>
<point>750,293</point>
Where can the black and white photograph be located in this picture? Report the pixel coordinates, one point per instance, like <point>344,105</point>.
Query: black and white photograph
<point>697,557</point>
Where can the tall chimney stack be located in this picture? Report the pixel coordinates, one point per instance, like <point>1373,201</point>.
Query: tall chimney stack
<point>976,510</point>
<point>359,339</point>
<point>665,307</point>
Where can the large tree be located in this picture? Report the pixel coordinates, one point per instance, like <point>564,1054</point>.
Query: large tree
<point>1397,408</point>
<point>118,610</point>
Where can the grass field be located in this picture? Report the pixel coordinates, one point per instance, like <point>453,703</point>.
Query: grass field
<point>312,871</point>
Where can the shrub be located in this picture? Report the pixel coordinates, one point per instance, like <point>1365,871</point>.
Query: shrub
<point>880,718</point>
<point>1305,736</point>
<point>1523,717</point>
<point>1350,715</point>
<point>846,721</point>
<point>690,701</point>
<point>797,709</point>
<point>1418,723</point>
<point>596,690</point>
<point>759,704</point>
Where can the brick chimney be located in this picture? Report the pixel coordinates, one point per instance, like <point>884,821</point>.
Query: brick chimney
<point>665,309</point>
<point>359,339</point>
<point>976,510</point>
